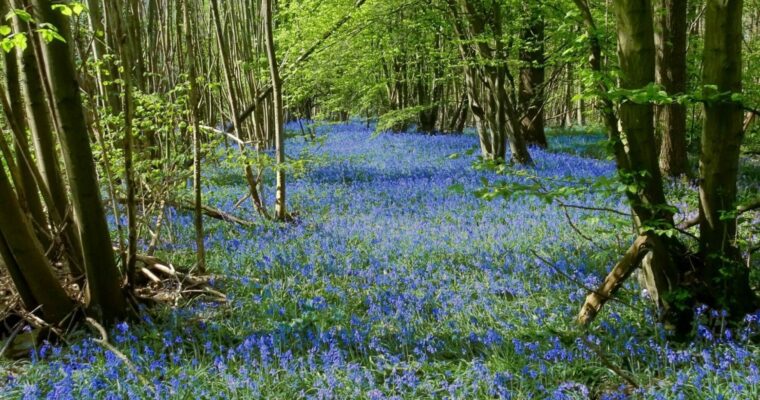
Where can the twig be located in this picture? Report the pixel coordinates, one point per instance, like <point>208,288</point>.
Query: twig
<point>740,209</point>
<point>13,335</point>
<point>588,208</point>
<point>609,364</point>
<point>578,230</point>
<point>580,284</point>
<point>103,341</point>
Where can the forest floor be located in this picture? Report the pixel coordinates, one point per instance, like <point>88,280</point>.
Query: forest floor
<point>393,285</point>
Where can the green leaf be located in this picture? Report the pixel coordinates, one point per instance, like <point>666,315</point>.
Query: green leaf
<point>5,30</point>
<point>19,41</point>
<point>64,9</point>
<point>78,8</point>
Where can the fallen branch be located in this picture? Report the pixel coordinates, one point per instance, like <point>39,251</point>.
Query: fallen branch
<point>11,338</point>
<point>622,270</point>
<point>208,211</point>
<point>211,212</point>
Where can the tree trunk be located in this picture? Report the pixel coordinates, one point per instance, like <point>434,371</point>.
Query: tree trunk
<point>194,103</point>
<point>121,28</point>
<point>636,52</point>
<point>722,136</point>
<point>39,113</point>
<point>23,157</point>
<point>25,259</point>
<point>671,20</point>
<point>532,77</point>
<point>106,300</point>
<point>232,99</point>
<point>110,96</point>
<point>281,212</point>
<point>637,159</point>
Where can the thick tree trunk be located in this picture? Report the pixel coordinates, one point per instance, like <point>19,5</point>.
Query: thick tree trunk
<point>636,52</point>
<point>637,159</point>
<point>39,122</point>
<point>25,259</point>
<point>532,77</point>
<point>671,19</point>
<point>722,136</point>
<point>106,299</point>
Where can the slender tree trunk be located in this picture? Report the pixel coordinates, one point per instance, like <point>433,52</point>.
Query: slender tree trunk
<point>671,18</point>
<point>110,96</point>
<point>253,182</point>
<point>194,104</point>
<point>281,212</point>
<point>106,300</point>
<point>123,39</point>
<point>16,112</point>
<point>719,162</point>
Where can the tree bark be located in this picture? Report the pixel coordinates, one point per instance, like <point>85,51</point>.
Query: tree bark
<point>719,161</point>
<point>532,79</point>
<point>25,259</point>
<point>636,52</point>
<point>671,22</point>
<point>106,300</point>
<point>38,112</point>
<point>281,212</point>
<point>195,114</point>
<point>23,157</point>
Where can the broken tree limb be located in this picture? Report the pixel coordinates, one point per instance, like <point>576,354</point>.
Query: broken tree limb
<point>208,211</point>
<point>227,134</point>
<point>740,209</point>
<point>622,270</point>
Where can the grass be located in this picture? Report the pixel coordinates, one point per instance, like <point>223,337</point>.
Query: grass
<point>393,286</point>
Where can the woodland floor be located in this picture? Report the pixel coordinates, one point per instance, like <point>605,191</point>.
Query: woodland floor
<point>393,285</point>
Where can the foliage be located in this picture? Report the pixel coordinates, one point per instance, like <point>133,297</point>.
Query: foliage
<point>379,293</point>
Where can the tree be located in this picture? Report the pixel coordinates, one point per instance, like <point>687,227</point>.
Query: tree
<point>479,26</point>
<point>670,35</point>
<point>105,297</point>
<point>719,160</point>
<point>533,76</point>
<point>195,116</point>
<point>673,275</point>
<point>281,212</point>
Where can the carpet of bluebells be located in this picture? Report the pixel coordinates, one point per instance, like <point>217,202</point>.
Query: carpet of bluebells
<point>394,286</point>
